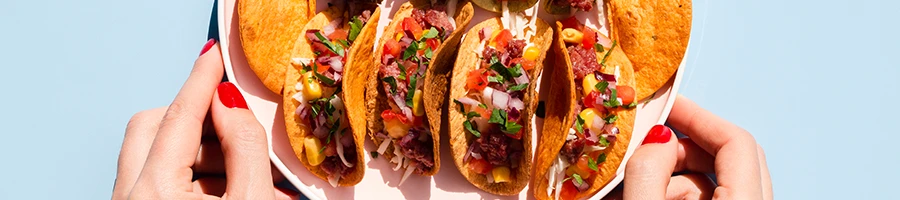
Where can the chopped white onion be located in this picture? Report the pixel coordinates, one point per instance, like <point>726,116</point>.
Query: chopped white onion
<point>523,79</point>
<point>571,135</point>
<point>409,170</point>
<point>476,155</point>
<point>407,112</point>
<point>301,61</point>
<point>489,175</point>
<point>592,148</point>
<point>399,164</point>
<point>336,63</point>
<point>517,104</point>
<point>500,99</point>
<point>469,101</point>
<point>597,125</point>
<point>333,181</point>
<point>384,145</point>
<point>337,103</point>
<point>328,29</point>
<point>340,151</point>
<point>482,123</point>
<point>487,97</point>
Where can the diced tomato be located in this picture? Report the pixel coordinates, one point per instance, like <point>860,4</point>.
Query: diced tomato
<point>433,43</point>
<point>388,115</point>
<point>626,93</point>
<point>568,191</point>
<point>411,68</point>
<point>410,25</point>
<point>526,64</point>
<point>499,42</point>
<point>571,22</point>
<point>589,38</point>
<point>480,166</point>
<point>417,121</point>
<point>338,34</point>
<point>590,99</point>
<point>477,80</point>
<point>582,165</point>
<point>484,112</point>
<point>392,47</point>
<point>321,68</point>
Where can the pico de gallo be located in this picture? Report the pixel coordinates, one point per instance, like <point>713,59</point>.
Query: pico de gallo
<point>331,145</point>
<point>567,6</point>
<point>599,99</point>
<point>405,58</point>
<point>493,104</point>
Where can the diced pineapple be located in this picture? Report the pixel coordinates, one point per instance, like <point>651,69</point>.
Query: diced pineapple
<point>313,155</point>
<point>575,170</point>
<point>501,174</point>
<point>398,36</point>
<point>312,89</point>
<point>587,85</point>
<point>571,35</point>
<point>395,128</point>
<point>589,115</point>
<point>531,53</point>
<point>418,108</point>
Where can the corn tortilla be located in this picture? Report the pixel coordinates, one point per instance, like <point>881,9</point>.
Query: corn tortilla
<point>560,116</point>
<point>353,83</point>
<point>268,30</point>
<point>435,86</point>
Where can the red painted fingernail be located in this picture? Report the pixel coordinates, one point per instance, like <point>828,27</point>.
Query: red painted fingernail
<point>658,134</point>
<point>230,96</point>
<point>288,192</point>
<point>208,46</point>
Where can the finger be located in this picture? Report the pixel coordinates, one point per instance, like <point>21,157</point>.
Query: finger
<point>764,174</point>
<point>244,145</point>
<point>693,158</point>
<point>139,134</point>
<point>690,186</point>
<point>178,140</point>
<point>210,159</point>
<point>649,169</point>
<point>734,149</point>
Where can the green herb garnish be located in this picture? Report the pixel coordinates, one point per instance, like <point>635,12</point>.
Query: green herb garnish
<point>495,79</point>
<point>391,81</point>
<point>601,86</point>
<point>412,90</point>
<point>471,115</point>
<point>605,56</point>
<point>611,119</point>
<point>471,129</point>
<point>592,163</point>
<point>613,100</point>
<point>428,53</point>
<point>598,47</point>
<point>431,33</point>
<point>462,109</point>
<point>374,154</point>
<point>518,87</point>
<point>601,158</point>
<point>355,28</point>
<point>410,50</point>
<point>579,124</point>
<point>323,78</point>
<point>578,179</point>
<point>337,49</point>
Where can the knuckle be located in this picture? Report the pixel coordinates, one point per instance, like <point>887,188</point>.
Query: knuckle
<point>246,135</point>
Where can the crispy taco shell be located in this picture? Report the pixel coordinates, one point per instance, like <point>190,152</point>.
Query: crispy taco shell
<point>512,6</point>
<point>459,143</point>
<point>655,35</point>
<point>435,86</point>
<point>560,116</point>
<point>268,31</point>
<point>358,59</point>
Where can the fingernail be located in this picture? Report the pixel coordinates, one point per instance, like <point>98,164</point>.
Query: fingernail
<point>288,192</point>
<point>658,134</point>
<point>208,45</point>
<point>230,96</point>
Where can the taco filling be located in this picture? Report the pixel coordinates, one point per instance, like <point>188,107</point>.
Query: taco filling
<point>402,69</point>
<point>331,145</point>
<point>598,99</point>
<point>493,104</point>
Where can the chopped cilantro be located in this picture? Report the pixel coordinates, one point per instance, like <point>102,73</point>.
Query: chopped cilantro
<point>598,47</point>
<point>355,28</point>
<point>323,78</point>
<point>374,154</point>
<point>511,128</point>
<point>391,81</point>
<point>601,86</point>
<point>601,158</point>
<point>518,87</point>
<point>471,129</point>
<point>578,179</point>
<point>337,49</point>
<point>605,56</point>
<point>495,79</point>
<point>631,105</point>
<point>410,50</point>
<point>482,105</point>
<point>462,109</point>
<point>345,43</point>
<point>402,71</point>
<point>470,115</point>
<point>428,53</point>
<point>515,71</point>
<point>603,142</point>
<point>579,124</point>
<point>498,117</point>
<point>431,33</point>
<point>592,163</point>
<point>613,100</point>
<point>611,119</point>
<point>412,90</point>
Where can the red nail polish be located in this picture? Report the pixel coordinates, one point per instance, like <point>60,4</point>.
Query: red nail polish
<point>658,134</point>
<point>230,96</point>
<point>208,46</point>
<point>288,192</point>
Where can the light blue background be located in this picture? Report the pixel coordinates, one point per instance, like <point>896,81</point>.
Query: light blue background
<point>816,82</point>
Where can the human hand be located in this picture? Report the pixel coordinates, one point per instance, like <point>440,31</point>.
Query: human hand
<point>166,148</point>
<point>715,146</point>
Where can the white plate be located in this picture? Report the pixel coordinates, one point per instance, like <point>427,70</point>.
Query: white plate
<point>380,180</point>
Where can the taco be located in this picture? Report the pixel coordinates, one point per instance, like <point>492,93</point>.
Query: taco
<point>493,90</point>
<point>268,30</point>
<point>655,36</point>
<point>562,7</point>
<point>323,96</point>
<point>589,116</point>
<point>408,84</point>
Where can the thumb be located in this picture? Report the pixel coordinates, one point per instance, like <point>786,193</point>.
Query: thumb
<point>244,146</point>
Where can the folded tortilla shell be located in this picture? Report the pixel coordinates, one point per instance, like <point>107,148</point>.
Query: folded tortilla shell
<point>654,36</point>
<point>353,82</point>
<point>560,115</point>
<point>435,86</point>
<point>459,144</point>
<point>268,31</point>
